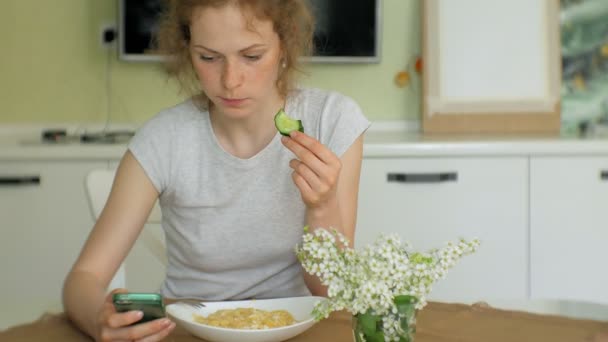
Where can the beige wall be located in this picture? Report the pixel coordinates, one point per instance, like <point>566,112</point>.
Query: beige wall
<point>53,68</point>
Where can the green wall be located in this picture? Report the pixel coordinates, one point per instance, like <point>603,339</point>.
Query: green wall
<point>53,68</point>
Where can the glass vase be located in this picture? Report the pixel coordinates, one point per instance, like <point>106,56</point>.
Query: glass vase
<point>367,327</point>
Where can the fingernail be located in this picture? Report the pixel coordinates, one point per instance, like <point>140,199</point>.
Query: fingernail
<point>293,133</point>
<point>166,322</point>
<point>139,313</point>
<point>284,139</point>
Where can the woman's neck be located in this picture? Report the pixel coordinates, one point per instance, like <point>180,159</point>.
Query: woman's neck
<point>245,137</point>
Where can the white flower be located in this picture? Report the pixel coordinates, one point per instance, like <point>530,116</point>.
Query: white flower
<point>368,280</point>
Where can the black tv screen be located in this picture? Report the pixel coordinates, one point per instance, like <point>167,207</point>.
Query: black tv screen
<point>345,31</point>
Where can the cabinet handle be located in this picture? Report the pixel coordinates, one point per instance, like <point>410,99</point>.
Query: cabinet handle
<point>19,180</point>
<point>422,177</point>
<point>604,175</point>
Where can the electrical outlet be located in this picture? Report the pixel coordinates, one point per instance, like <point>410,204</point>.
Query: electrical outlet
<point>108,35</point>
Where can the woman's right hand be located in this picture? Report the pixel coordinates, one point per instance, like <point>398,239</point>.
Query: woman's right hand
<point>116,326</point>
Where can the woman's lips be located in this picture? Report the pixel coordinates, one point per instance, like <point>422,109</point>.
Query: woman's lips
<point>232,102</point>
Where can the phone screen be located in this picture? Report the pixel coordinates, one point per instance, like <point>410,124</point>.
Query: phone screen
<point>151,304</point>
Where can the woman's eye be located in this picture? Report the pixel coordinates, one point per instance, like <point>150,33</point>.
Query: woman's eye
<point>206,58</point>
<point>253,57</point>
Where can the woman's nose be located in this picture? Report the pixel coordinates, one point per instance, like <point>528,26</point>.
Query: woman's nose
<point>232,76</point>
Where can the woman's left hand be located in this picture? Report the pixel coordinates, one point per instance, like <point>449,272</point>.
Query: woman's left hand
<point>316,169</point>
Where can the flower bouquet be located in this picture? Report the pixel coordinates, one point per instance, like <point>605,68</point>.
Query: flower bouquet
<point>382,285</point>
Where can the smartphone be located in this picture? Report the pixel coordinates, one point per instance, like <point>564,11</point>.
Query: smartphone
<point>151,304</point>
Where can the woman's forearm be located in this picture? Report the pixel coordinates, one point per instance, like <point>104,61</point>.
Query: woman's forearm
<point>324,217</point>
<point>339,211</point>
<point>327,216</point>
<point>83,297</point>
<point>314,285</point>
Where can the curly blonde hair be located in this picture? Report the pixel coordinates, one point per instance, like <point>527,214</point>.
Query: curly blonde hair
<point>292,20</point>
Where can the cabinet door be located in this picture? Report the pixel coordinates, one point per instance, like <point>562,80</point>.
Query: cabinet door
<point>45,219</point>
<point>569,228</point>
<point>430,201</point>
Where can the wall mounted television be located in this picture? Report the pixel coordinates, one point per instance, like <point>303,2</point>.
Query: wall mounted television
<point>347,31</point>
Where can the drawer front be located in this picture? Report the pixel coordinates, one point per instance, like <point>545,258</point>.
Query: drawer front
<point>430,201</point>
<point>569,228</point>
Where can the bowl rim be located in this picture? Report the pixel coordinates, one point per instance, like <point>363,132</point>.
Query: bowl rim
<point>307,321</point>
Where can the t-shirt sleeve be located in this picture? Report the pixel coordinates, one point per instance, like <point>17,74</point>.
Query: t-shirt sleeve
<point>152,148</point>
<point>342,123</point>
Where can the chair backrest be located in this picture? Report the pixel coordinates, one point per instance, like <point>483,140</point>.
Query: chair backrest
<point>98,185</point>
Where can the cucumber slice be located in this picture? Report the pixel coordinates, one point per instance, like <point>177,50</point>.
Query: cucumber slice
<point>285,124</point>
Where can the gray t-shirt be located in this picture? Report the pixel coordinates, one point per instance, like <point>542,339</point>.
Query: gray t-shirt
<point>231,224</point>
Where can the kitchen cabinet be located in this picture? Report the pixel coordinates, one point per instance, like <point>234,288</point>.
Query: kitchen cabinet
<point>430,201</point>
<point>569,228</point>
<point>45,219</point>
<point>539,211</point>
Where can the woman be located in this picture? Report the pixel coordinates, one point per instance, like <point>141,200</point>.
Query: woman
<point>234,194</point>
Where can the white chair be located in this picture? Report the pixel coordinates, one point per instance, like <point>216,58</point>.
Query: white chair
<point>98,184</point>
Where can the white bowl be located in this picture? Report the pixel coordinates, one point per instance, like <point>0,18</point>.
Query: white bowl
<point>299,307</point>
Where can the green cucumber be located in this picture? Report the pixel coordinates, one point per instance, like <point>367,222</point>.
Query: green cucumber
<point>285,124</point>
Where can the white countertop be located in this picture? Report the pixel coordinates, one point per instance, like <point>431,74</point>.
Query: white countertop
<point>412,144</point>
<point>23,143</point>
<point>382,140</point>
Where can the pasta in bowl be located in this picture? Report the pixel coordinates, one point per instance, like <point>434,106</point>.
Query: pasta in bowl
<point>257,320</point>
<point>247,318</point>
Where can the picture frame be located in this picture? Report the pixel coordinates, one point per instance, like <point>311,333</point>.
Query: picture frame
<point>491,66</point>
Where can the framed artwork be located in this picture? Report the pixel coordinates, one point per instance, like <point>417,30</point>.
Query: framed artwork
<point>491,66</point>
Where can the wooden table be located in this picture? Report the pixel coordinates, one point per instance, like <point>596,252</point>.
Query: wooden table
<point>437,322</point>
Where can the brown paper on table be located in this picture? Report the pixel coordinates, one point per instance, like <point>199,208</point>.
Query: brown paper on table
<point>437,322</point>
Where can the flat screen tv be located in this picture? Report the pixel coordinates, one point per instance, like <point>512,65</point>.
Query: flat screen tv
<point>346,31</point>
